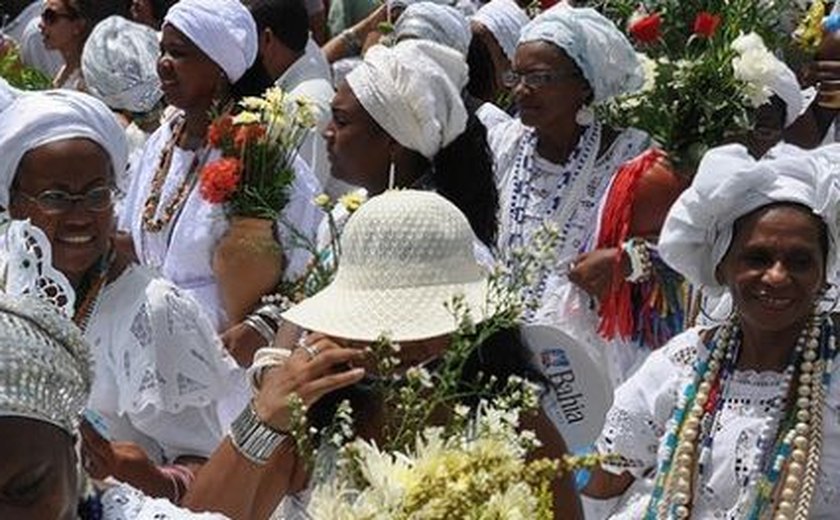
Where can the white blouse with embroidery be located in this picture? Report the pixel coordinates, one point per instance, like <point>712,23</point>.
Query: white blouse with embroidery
<point>159,367</point>
<point>637,423</point>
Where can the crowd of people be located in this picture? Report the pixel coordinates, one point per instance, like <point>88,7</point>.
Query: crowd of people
<point>452,145</point>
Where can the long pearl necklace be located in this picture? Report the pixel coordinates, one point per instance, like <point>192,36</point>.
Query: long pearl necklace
<point>792,460</point>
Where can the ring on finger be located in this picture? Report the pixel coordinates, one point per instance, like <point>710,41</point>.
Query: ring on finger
<point>311,350</point>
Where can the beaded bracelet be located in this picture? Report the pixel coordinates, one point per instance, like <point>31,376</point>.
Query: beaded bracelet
<point>637,252</point>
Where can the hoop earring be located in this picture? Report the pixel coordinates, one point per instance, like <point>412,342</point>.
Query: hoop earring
<point>585,116</point>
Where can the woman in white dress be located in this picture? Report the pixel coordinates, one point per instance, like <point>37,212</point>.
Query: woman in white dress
<point>206,46</point>
<point>739,420</point>
<point>160,368</point>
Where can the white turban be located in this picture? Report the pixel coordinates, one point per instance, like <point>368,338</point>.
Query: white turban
<point>41,118</point>
<point>786,86</point>
<point>434,22</point>
<point>607,60</point>
<point>505,20</point>
<point>223,29</point>
<point>402,4</point>
<point>413,91</point>
<point>729,184</point>
<point>119,64</point>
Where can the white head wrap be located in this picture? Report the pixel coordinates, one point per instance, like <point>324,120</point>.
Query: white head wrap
<point>607,60</point>
<point>413,91</point>
<point>40,118</point>
<point>44,364</point>
<point>786,86</point>
<point>434,22</point>
<point>119,64</point>
<point>729,184</point>
<point>223,29</point>
<point>505,20</point>
<point>402,4</point>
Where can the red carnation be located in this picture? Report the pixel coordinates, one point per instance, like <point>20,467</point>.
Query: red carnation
<point>646,28</point>
<point>706,23</point>
<point>246,134</point>
<point>218,130</point>
<point>220,179</point>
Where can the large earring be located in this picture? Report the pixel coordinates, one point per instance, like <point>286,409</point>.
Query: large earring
<point>585,116</point>
<point>392,176</point>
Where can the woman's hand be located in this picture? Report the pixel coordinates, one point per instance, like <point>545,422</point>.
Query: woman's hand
<point>594,271</point>
<point>125,461</point>
<point>312,371</point>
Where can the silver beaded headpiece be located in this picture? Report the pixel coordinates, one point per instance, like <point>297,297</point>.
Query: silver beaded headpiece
<point>45,367</point>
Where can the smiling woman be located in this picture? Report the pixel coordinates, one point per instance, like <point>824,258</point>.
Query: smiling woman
<point>743,414</point>
<point>61,150</point>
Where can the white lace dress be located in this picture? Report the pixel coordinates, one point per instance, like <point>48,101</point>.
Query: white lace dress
<point>637,423</point>
<point>123,502</point>
<point>159,367</point>
<point>534,191</point>
<point>183,250</point>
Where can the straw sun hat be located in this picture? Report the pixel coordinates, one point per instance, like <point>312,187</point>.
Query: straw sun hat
<point>405,254</point>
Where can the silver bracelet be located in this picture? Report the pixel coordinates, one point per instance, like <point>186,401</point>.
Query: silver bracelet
<point>257,322</point>
<point>273,313</point>
<point>252,438</point>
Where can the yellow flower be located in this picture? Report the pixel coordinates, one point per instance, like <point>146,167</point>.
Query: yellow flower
<point>352,201</point>
<point>809,34</point>
<point>246,118</point>
<point>253,103</point>
<point>322,201</point>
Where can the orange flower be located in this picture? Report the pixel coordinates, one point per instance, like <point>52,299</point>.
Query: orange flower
<point>219,129</point>
<point>220,179</point>
<point>246,134</point>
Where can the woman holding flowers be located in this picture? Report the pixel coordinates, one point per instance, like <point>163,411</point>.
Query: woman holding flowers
<point>405,254</point>
<point>207,45</point>
<point>160,368</point>
<point>739,419</point>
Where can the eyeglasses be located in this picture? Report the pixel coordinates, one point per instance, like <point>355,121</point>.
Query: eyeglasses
<point>50,15</point>
<point>57,201</point>
<point>536,79</point>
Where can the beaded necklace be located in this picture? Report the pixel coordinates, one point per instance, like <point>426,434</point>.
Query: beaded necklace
<point>91,295</point>
<point>151,222</point>
<point>783,477</point>
<point>564,196</point>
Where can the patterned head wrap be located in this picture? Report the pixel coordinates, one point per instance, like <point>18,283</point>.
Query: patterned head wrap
<point>119,63</point>
<point>505,20</point>
<point>594,43</point>
<point>45,366</point>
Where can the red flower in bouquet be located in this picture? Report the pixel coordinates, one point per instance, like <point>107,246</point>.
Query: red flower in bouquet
<point>646,28</point>
<point>220,179</point>
<point>246,134</point>
<point>706,24</point>
<point>219,129</point>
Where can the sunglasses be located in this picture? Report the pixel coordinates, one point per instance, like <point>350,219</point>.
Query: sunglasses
<point>51,16</point>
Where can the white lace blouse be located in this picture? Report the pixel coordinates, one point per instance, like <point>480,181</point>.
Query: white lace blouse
<point>183,250</point>
<point>159,367</point>
<point>637,423</point>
